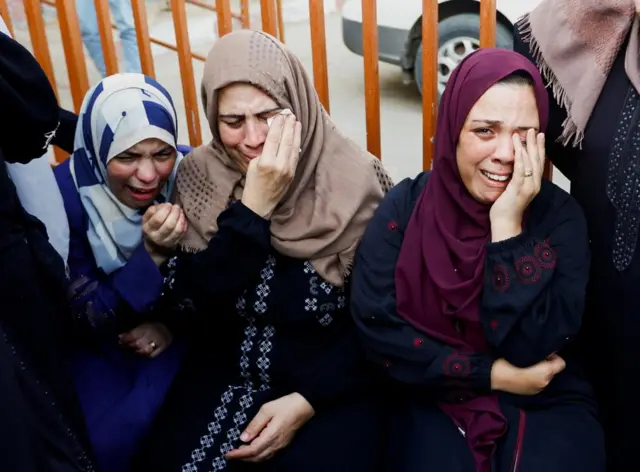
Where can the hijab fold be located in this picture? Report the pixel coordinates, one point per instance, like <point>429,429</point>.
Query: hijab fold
<point>336,188</point>
<point>575,43</point>
<point>440,270</point>
<point>118,113</point>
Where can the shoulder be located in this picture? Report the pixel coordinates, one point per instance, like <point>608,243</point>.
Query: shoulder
<point>69,192</point>
<point>62,173</point>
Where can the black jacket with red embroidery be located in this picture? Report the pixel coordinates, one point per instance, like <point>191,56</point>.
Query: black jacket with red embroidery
<point>531,306</point>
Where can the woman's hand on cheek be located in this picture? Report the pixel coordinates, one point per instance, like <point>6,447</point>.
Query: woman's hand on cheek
<point>506,213</point>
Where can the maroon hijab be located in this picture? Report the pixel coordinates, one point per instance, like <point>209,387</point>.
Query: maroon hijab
<point>440,271</point>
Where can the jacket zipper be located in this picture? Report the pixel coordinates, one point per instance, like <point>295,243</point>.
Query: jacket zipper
<point>519,440</point>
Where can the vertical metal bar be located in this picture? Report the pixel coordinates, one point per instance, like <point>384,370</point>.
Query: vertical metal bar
<point>74,54</point>
<point>281,18</point>
<point>6,16</point>
<point>103,16</point>
<point>142,35</point>
<point>487,23</point>
<point>319,51</point>
<point>269,20</point>
<point>429,79</point>
<point>186,71</point>
<point>371,75</point>
<point>223,10</point>
<point>37,33</point>
<point>244,13</point>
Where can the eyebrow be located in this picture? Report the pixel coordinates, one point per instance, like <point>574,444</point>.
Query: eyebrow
<point>498,122</point>
<point>140,154</point>
<point>264,112</point>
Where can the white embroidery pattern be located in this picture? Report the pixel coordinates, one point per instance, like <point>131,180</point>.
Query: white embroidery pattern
<point>324,311</point>
<point>243,393</point>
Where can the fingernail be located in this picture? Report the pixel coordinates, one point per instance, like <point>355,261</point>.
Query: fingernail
<point>244,437</point>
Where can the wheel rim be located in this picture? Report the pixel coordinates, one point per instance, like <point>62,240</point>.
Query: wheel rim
<point>450,54</point>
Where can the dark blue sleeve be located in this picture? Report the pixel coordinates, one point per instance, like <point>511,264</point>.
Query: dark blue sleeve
<point>95,297</point>
<point>408,355</point>
<point>535,287</point>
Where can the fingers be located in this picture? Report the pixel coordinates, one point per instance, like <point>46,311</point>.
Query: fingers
<point>149,213</point>
<point>169,224</point>
<point>149,339</point>
<point>518,165</point>
<point>557,364</point>
<point>532,156</point>
<point>258,423</point>
<point>260,449</point>
<point>163,211</point>
<point>252,451</point>
<point>286,141</point>
<point>295,148</point>
<point>272,143</point>
<point>132,336</point>
<point>534,159</point>
<point>542,152</point>
<point>169,233</point>
<point>528,166</point>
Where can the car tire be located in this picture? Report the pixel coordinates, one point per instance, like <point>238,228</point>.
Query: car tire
<point>465,25</point>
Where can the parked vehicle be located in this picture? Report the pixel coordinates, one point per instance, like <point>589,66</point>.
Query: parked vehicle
<point>400,32</point>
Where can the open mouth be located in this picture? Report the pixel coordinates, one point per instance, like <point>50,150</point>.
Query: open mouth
<point>141,193</point>
<point>496,177</point>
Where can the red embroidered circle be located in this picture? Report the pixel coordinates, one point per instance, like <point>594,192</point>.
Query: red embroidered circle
<point>527,269</point>
<point>500,278</point>
<point>545,255</point>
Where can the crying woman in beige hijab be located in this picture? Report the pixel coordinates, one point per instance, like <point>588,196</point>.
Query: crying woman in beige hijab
<point>277,203</point>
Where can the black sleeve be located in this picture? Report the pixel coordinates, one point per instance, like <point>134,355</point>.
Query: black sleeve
<point>408,355</point>
<point>535,287</point>
<point>563,157</point>
<point>66,131</point>
<point>234,256</point>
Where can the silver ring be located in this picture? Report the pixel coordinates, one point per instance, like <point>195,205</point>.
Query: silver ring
<point>528,173</point>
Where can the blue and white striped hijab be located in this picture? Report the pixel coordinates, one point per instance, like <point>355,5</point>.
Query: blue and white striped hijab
<point>118,113</point>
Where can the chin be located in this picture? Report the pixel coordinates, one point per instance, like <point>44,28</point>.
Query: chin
<point>489,197</point>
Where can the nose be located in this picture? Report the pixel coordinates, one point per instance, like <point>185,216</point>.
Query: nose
<point>146,172</point>
<point>255,134</point>
<point>504,152</point>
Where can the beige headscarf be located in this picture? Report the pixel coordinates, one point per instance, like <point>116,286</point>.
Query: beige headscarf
<point>575,43</point>
<point>337,185</point>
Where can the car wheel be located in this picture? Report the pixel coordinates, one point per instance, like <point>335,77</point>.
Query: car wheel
<point>458,36</point>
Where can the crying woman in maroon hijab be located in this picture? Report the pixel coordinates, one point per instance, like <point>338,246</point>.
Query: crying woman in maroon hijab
<point>468,290</point>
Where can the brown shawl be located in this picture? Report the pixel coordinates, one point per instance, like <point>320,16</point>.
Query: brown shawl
<point>575,43</point>
<point>337,185</point>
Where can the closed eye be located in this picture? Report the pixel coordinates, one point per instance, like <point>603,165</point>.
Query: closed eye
<point>234,123</point>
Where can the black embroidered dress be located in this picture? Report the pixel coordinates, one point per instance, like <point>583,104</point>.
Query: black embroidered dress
<point>261,326</point>
<point>531,307</point>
